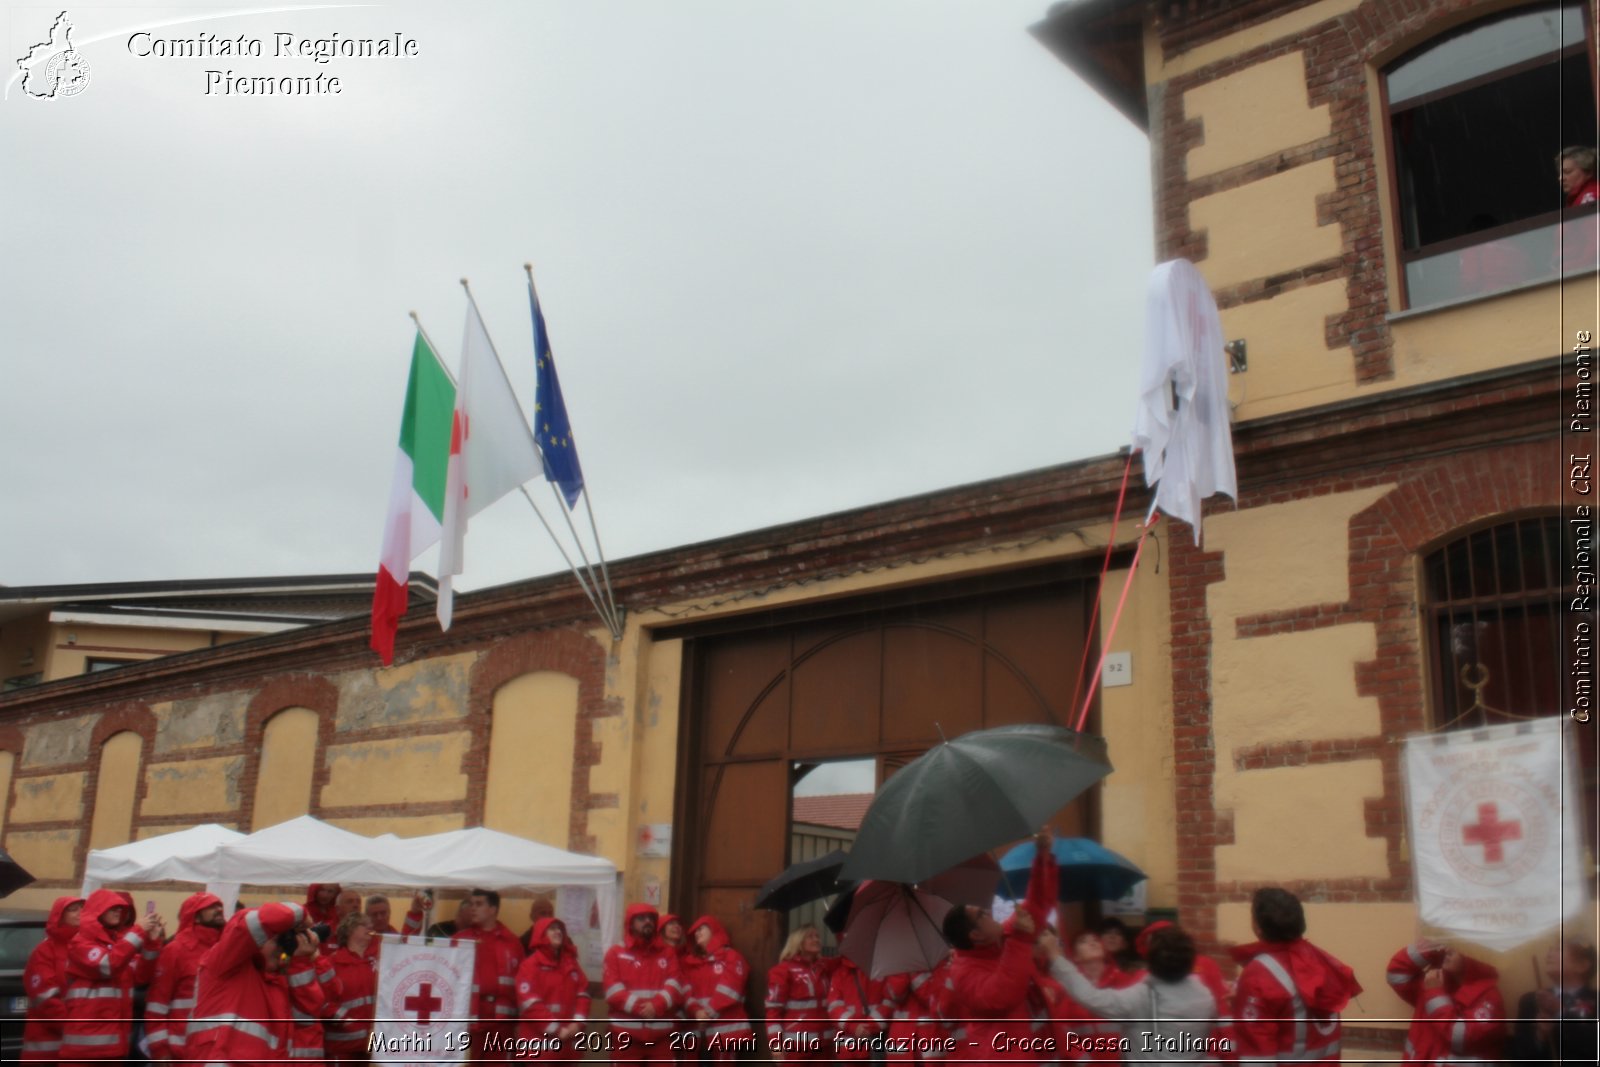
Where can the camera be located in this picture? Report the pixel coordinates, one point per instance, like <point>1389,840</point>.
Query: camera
<point>289,940</point>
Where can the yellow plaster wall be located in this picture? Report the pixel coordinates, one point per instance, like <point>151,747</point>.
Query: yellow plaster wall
<point>531,741</point>
<point>49,798</point>
<point>8,762</point>
<point>1158,70</point>
<point>1253,113</point>
<point>404,826</point>
<point>1296,686</point>
<point>45,854</point>
<point>1301,822</point>
<point>114,790</point>
<point>1267,226</point>
<point>157,831</point>
<point>1362,935</point>
<point>194,786</point>
<point>432,690</point>
<point>1291,687</point>
<point>408,770</point>
<point>288,759</point>
<point>1137,812</point>
<point>1267,550</point>
<point>1289,358</point>
<point>1496,332</point>
<point>655,671</point>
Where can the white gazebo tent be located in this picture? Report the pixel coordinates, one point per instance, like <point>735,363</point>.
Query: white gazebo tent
<point>306,850</point>
<point>186,856</point>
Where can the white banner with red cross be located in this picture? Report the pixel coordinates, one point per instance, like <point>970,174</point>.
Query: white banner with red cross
<point>1496,839</point>
<point>424,1003</point>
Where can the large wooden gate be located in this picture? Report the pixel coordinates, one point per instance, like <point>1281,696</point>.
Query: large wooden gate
<point>876,680</point>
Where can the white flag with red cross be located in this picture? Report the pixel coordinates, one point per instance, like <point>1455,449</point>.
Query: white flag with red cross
<point>424,1001</point>
<point>1496,839</point>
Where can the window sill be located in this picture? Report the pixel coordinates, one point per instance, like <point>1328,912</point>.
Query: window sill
<point>1479,298</point>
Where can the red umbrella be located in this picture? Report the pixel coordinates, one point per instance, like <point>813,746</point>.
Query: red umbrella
<point>894,928</point>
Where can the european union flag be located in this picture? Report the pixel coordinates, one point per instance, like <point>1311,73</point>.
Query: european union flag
<point>551,428</point>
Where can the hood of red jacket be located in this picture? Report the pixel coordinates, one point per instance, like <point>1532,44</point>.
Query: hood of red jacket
<point>194,905</point>
<point>539,941</point>
<point>633,912</point>
<point>1326,984</point>
<point>719,936</point>
<point>54,928</point>
<point>100,902</point>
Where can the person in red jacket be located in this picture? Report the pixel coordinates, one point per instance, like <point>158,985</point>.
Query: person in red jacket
<point>642,989</point>
<point>675,938</point>
<point>348,1027</point>
<point>916,1033</point>
<point>715,976</point>
<point>991,977</point>
<point>1578,183</point>
<point>106,958</point>
<point>797,991</point>
<point>857,1006</point>
<point>1459,1014</point>
<point>44,980</point>
<point>314,995</point>
<point>1290,993</point>
<point>552,993</point>
<point>914,1029</point>
<point>242,1010</point>
<point>322,903</point>
<point>1084,1035</point>
<point>170,998</point>
<point>494,976</point>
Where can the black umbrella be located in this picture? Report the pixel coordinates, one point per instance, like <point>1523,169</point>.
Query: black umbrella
<point>12,876</point>
<point>803,882</point>
<point>970,795</point>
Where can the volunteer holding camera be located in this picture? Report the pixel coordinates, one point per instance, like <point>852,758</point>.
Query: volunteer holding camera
<point>244,1008</point>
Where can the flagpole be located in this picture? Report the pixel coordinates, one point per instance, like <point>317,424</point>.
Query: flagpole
<point>588,495</point>
<point>605,617</point>
<point>542,521</point>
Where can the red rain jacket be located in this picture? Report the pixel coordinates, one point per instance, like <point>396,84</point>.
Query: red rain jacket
<point>44,980</point>
<point>638,973</point>
<point>1287,1004</point>
<point>313,996</point>
<point>242,1012</point>
<point>715,983</point>
<point>1464,1019</point>
<point>170,998</point>
<point>987,997</point>
<point>103,966</point>
<point>346,1031</point>
<point>552,990</point>
<point>494,973</point>
<point>856,1002</point>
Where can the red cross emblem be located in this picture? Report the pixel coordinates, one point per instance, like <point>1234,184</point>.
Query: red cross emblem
<point>1491,833</point>
<point>424,1003</point>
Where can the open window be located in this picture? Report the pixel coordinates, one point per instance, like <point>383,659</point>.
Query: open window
<point>1476,120</point>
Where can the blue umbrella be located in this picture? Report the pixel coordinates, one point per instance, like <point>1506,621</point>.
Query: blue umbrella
<point>1089,870</point>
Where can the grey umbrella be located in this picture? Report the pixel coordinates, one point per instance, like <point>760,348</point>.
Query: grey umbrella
<point>969,795</point>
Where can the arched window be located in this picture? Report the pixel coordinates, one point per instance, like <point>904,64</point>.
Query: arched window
<point>1476,120</point>
<point>1495,601</point>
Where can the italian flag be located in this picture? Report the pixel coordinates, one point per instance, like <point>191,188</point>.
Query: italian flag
<point>416,497</point>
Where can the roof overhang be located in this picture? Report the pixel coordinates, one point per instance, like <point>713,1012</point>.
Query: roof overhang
<point>1103,42</point>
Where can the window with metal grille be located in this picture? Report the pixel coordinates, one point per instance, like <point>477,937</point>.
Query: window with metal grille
<point>1495,601</point>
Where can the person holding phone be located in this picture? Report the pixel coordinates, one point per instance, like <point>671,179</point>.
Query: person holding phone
<point>106,958</point>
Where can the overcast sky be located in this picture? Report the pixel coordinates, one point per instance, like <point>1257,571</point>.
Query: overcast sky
<point>796,256</point>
